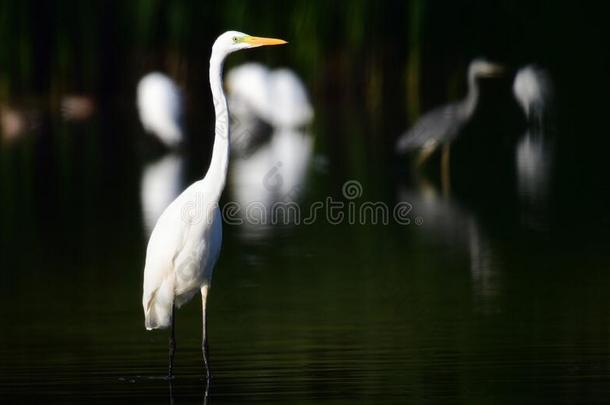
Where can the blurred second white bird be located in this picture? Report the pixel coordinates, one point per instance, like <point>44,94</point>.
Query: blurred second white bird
<point>159,102</point>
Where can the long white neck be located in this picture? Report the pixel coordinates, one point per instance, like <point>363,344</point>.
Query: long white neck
<point>217,172</point>
<point>470,102</point>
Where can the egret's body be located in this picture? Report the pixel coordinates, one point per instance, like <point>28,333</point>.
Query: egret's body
<point>248,93</point>
<point>277,96</point>
<point>257,94</point>
<point>159,102</point>
<point>185,243</point>
<point>290,106</point>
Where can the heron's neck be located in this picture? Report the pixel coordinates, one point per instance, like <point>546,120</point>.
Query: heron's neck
<point>217,172</point>
<point>473,95</point>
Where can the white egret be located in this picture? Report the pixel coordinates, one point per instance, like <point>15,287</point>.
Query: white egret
<point>186,241</point>
<point>277,96</point>
<point>443,124</point>
<point>533,90</point>
<point>248,93</point>
<point>159,102</point>
<point>290,106</point>
<point>274,170</point>
<point>257,94</point>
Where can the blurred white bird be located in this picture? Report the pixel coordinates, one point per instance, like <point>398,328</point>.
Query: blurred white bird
<point>159,102</point>
<point>532,89</point>
<point>289,103</point>
<point>276,170</point>
<point>248,93</point>
<point>277,97</point>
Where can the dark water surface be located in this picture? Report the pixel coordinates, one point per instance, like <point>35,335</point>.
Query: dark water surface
<point>490,301</point>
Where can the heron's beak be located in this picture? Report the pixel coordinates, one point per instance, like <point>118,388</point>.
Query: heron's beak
<point>260,41</point>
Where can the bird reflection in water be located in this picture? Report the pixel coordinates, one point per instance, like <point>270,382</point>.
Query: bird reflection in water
<point>451,224</point>
<point>161,182</point>
<point>442,125</point>
<point>533,91</point>
<point>267,167</point>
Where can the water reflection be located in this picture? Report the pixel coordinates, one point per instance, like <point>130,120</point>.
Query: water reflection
<point>268,166</point>
<point>162,181</point>
<point>451,224</point>
<point>533,91</point>
<point>275,172</point>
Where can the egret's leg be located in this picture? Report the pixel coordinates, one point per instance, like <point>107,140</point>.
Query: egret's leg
<point>446,169</point>
<point>425,153</point>
<point>204,340</point>
<point>172,343</point>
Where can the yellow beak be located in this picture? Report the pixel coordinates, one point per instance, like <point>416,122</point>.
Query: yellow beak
<point>260,41</point>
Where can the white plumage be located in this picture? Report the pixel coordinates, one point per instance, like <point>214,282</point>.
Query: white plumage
<point>532,89</point>
<point>185,243</point>
<point>276,170</point>
<point>290,106</point>
<point>248,93</point>
<point>181,253</point>
<point>159,102</point>
<point>277,96</point>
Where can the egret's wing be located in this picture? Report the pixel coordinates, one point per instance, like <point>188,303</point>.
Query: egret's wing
<point>166,242</point>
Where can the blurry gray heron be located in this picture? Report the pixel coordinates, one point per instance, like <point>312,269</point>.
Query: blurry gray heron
<point>443,124</point>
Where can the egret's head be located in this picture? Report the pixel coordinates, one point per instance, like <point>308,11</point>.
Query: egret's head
<point>484,68</point>
<point>232,41</point>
